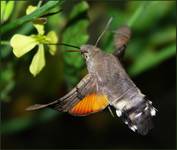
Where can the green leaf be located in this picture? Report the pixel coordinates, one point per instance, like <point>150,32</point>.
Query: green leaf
<point>78,9</point>
<point>154,11</point>
<point>37,13</point>
<point>6,10</point>
<point>9,9</point>
<point>75,35</point>
<point>163,35</point>
<point>38,61</point>
<point>22,44</point>
<point>3,7</point>
<point>149,59</point>
<point>139,11</point>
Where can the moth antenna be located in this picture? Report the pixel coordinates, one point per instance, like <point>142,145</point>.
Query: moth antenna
<point>106,27</point>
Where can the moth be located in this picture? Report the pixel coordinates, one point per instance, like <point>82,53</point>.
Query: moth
<point>107,84</point>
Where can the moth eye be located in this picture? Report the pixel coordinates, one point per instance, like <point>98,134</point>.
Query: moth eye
<point>86,56</point>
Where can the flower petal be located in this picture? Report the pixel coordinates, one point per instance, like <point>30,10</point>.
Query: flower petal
<point>30,9</point>
<point>22,44</point>
<point>38,61</point>
<point>52,38</point>
<point>38,26</point>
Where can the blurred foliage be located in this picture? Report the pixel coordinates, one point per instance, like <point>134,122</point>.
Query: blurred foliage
<point>75,35</point>
<point>6,81</point>
<point>144,53</point>
<point>153,42</point>
<point>21,123</point>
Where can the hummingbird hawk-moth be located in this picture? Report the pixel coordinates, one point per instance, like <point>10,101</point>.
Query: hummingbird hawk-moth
<point>107,83</point>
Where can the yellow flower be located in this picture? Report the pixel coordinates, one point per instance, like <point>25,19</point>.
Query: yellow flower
<point>22,44</point>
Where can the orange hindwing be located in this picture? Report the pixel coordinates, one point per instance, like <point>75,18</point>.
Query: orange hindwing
<point>90,104</point>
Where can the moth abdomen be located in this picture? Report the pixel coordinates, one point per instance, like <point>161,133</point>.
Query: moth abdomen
<point>137,113</point>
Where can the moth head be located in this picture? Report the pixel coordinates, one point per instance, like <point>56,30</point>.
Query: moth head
<point>89,51</point>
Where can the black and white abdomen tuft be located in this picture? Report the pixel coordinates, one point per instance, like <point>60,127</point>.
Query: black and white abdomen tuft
<point>136,112</point>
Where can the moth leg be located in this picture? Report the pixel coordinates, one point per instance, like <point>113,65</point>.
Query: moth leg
<point>109,108</point>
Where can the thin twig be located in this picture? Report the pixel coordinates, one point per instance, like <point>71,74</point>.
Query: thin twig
<point>39,3</point>
<point>5,43</point>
